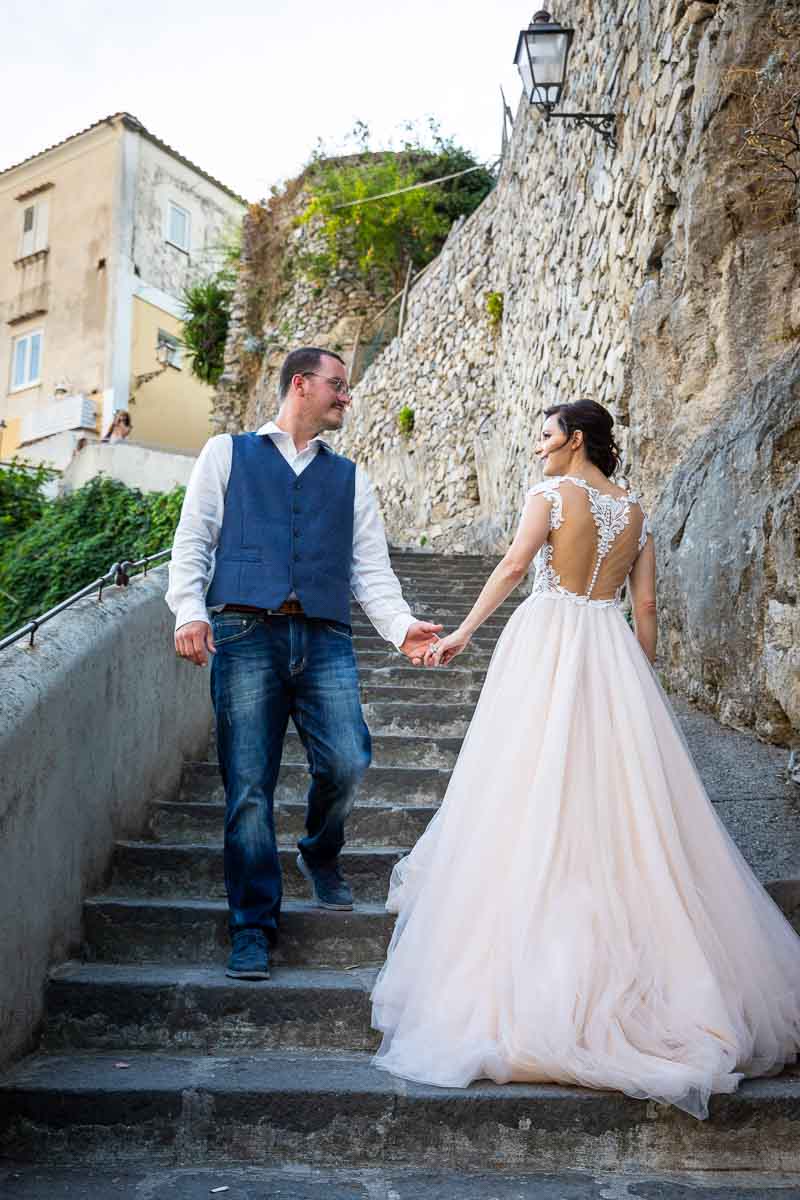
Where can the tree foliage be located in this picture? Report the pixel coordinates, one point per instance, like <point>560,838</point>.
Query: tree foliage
<point>21,498</point>
<point>205,326</point>
<point>384,235</point>
<point>766,115</point>
<point>75,539</point>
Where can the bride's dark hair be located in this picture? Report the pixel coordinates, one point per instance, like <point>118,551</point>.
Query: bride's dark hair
<point>596,424</point>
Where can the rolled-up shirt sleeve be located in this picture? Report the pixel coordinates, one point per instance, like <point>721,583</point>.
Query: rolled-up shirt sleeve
<point>194,547</point>
<point>374,583</point>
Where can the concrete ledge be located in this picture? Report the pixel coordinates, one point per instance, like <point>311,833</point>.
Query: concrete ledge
<point>141,467</point>
<point>95,722</point>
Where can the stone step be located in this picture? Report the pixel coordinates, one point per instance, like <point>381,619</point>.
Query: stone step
<point>165,1007</point>
<point>387,657</point>
<point>400,674</point>
<point>363,642</point>
<point>420,560</point>
<point>441,568</point>
<point>381,785</point>
<point>195,871</point>
<point>392,750</point>
<point>368,826</point>
<point>398,717</point>
<point>336,1109</point>
<point>464,697</point>
<point>451,610</point>
<point>196,931</point>
<point>27,1182</point>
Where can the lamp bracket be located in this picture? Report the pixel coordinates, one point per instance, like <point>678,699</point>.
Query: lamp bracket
<point>605,124</point>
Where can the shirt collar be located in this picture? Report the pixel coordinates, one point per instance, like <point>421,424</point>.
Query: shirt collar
<point>274,430</point>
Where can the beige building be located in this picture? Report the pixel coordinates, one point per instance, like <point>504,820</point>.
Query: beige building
<point>99,235</point>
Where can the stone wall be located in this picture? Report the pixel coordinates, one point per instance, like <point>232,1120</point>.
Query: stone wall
<point>641,278</point>
<point>95,722</point>
<point>647,280</point>
<point>569,237</point>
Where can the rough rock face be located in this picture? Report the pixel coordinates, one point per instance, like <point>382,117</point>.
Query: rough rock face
<point>728,539</point>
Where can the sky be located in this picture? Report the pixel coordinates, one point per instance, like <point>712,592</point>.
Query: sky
<point>244,89</point>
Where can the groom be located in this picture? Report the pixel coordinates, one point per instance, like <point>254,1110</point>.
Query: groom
<point>279,529</point>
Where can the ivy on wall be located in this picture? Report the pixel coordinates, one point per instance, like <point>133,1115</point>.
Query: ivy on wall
<point>75,538</point>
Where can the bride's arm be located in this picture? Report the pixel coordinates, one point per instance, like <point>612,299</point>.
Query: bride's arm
<point>643,593</point>
<point>512,568</point>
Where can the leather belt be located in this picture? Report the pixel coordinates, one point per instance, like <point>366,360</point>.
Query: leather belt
<point>289,608</point>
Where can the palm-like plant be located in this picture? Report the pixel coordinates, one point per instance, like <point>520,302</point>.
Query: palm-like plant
<point>205,327</point>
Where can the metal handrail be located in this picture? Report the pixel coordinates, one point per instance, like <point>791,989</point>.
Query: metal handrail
<point>119,574</point>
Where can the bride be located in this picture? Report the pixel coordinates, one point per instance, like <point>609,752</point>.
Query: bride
<point>576,912</point>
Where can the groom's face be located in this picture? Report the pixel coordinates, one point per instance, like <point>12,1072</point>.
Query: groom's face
<point>325,401</point>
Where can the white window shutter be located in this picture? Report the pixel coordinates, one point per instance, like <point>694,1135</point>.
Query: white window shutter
<point>42,215</point>
<point>28,230</point>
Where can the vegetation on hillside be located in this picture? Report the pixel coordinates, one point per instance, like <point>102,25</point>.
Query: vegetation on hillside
<point>765,115</point>
<point>52,548</point>
<point>21,498</point>
<point>207,302</point>
<point>383,236</point>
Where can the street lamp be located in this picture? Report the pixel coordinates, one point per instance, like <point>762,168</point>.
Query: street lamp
<point>162,358</point>
<point>541,59</point>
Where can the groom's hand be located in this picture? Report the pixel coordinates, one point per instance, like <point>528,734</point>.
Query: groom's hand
<point>420,635</point>
<point>195,641</point>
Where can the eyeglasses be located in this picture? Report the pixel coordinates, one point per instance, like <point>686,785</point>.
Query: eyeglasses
<point>340,386</point>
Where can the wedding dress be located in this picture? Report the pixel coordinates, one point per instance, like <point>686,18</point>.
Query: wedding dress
<point>576,912</point>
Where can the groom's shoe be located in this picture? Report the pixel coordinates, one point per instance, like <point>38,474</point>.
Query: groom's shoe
<point>249,955</point>
<point>330,889</point>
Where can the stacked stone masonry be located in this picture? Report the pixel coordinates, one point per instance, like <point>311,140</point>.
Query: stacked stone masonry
<point>638,278</point>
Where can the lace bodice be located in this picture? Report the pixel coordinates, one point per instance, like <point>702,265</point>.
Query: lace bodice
<point>600,538</point>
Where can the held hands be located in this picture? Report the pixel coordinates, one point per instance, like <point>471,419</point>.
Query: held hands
<point>444,650</point>
<point>195,641</point>
<point>418,639</point>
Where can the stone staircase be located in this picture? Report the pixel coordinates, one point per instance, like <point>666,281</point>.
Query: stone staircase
<point>151,1055</point>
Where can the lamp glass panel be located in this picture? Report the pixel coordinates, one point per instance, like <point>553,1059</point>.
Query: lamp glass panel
<point>524,67</point>
<point>548,54</point>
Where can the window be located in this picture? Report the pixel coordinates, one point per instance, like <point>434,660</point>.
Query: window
<point>178,227</point>
<point>26,360</point>
<point>172,353</point>
<point>34,228</point>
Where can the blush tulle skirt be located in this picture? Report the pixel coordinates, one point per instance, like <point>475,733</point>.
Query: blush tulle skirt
<point>576,912</point>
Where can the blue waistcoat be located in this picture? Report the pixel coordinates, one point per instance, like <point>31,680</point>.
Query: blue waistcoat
<point>284,533</point>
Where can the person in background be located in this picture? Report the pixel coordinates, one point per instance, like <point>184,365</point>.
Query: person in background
<point>120,427</point>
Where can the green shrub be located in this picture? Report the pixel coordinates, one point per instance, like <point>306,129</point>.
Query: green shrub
<point>75,539</point>
<point>21,499</point>
<point>386,234</point>
<point>494,307</point>
<point>405,420</point>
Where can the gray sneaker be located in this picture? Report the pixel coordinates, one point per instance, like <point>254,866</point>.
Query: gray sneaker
<point>330,889</point>
<point>249,955</point>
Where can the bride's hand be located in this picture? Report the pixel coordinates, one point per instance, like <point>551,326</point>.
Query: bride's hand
<point>442,651</point>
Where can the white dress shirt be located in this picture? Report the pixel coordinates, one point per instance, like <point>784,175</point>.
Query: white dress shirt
<point>374,583</point>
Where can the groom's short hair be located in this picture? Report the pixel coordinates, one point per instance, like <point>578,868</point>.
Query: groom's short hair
<point>307,358</point>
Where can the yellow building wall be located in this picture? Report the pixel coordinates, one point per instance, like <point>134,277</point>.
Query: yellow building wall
<point>71,282</point>
<point>173,410</point>
<point>9,436</point>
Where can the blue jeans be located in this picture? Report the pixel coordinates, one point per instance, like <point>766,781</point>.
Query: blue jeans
<point>266,670</point>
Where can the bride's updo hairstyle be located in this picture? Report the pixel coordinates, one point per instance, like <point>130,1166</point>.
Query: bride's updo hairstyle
<point>596,424</point>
